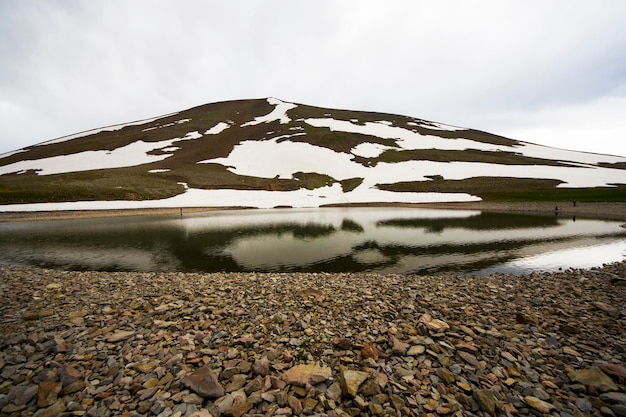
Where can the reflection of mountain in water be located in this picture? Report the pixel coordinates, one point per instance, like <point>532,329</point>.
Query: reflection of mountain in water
<point>482,221</point>
<point>335,240</point>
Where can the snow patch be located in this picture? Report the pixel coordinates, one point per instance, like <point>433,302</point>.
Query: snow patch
<point>286,158</point>
<point>194,197</point>
<point>279,113</point>
<point>409,140</point>
<point>191,135</point>
<point>129,155</point>
<point>369,150</point>
<point>6,155</point>
<point>405,139</point>
<point>217,129</point>
<point>156,171</point>
<point>133,154</point>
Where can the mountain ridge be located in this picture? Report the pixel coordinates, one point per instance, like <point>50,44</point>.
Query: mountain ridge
<point>270,152</point>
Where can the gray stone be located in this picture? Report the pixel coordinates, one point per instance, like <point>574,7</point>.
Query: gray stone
<point>619,409</point>
<point>614,397</point>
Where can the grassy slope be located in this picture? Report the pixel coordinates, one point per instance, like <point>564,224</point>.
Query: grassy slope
<point>504,189</point>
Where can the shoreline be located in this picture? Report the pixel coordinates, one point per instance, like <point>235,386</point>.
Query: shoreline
<point>236,344</point>
<point>613,211</point>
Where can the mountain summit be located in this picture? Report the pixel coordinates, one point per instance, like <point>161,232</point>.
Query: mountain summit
<point>269,152</point>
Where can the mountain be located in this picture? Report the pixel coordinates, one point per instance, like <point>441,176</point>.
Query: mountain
<point>268,152</point>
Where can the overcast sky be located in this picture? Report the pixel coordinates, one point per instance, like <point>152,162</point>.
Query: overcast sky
<point>549,72</point>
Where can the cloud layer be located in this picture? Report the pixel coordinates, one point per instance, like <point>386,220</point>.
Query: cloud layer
<point>550,72</point>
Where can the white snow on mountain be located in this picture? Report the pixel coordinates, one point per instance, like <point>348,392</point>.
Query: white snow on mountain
<point>193,197</point>
<point>408,140</point>
<point>217,129</point>
<point>279,113</point>
<point>285,158</point>
<point>133,154</point>
<point>369,150</point>
<point>281,156</point>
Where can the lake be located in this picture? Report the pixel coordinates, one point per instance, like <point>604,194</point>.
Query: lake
<point>385,240</point>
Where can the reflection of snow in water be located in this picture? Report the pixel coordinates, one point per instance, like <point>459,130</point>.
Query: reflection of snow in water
<point>359,238</point>
<point>257,252</point>
<point>586,256</point>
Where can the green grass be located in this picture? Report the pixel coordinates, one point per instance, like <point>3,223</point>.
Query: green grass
<point>505,189</point>
<point>350,184</point>
<point>467,155</point>
<point>313,180</point>
<point>114,184</point>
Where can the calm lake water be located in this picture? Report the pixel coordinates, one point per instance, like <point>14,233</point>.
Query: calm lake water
<point>388,240</point>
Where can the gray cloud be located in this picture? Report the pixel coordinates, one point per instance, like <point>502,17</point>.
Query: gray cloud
<point>506,67</point>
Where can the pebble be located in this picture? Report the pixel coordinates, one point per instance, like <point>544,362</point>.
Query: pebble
<point>237,344</point>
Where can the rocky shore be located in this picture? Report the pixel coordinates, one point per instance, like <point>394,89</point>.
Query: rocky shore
<point>173,344</point>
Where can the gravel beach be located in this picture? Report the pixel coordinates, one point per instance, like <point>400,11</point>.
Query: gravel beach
<point>174,344</point>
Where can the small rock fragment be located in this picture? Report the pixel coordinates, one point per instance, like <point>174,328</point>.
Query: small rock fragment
<point>593,377</point>
<point>539,405</point>
<point>351,381</point>
<point>120,335</point>
<point>307,374</point>
<point>204,382</point>
<point>261,366</point>
<point>486,400</point>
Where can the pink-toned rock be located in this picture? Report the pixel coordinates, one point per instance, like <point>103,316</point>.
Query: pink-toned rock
<point>614,369</point>
<point>204,383</point>
<point>398,348</point>
<point>261,366</point>
<point>307,374</point>
<point>295,405</point>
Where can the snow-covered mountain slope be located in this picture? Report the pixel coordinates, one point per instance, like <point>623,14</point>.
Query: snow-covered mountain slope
<point>267,153</point>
